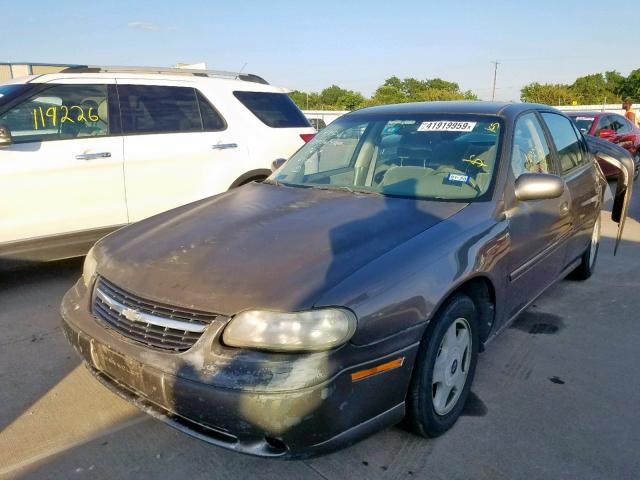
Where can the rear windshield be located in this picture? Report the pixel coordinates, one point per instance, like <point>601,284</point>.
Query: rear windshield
<point>583,122</point>
<point>275,110</point>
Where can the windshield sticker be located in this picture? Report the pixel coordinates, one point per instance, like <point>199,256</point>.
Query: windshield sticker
<point>458,177</point>
<point>587,119</point>
<point>446,126</point>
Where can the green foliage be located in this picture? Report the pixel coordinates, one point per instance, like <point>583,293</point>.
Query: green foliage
<point>610,87</point>
<point>393,90</point>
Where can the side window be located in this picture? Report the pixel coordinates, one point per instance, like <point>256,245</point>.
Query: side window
<point>604,122</point>
<point>530,151</point>
<point>59,113</point>
<point>212,121</point>
<point>276,110</point>
<point>159,109</point>
<point>568,145</point>
<point>620,124</point>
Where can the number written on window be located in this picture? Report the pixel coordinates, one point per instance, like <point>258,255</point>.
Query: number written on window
<point>48,117</point>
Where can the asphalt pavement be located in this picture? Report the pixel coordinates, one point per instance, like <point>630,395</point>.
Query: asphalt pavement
<point>555,396</point>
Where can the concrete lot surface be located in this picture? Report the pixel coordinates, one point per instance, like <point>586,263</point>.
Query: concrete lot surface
<point>555,396</point>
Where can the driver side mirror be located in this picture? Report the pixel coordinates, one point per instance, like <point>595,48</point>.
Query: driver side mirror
<point>5,136</point>
<point>606,133</point>
<point>538,186</point>
<point>276,164</point>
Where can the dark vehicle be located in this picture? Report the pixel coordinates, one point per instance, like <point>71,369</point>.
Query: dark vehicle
<point>352,289</point>
<point>613,128</point>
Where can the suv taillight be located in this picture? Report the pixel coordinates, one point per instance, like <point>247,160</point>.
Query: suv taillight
<point>307,136</point>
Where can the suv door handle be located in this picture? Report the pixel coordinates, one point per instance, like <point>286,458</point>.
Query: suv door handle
<point>224,146</point>
<point>91,156</point>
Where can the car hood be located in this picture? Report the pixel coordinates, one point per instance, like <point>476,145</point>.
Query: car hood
<point>260,246</point>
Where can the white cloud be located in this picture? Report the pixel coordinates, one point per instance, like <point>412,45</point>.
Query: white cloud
<point>147,26</point>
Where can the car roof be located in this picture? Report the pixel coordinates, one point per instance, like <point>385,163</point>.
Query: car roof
<point>461,107</point>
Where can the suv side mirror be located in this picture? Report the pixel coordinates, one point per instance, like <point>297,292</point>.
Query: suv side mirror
<point>606,133</point>
<point>5,136</point>
<point>276,164</point>
<point>538,186</point>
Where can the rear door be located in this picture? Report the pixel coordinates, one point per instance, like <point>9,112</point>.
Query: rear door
<point>63,171</point>
<point>178,148</point>
<point>577,169</point>
<point>538,229</point>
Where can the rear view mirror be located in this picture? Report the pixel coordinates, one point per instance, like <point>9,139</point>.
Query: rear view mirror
<point>5,136</point>
<point>606,133</point>
<point>538,186</point>
<point>276,164</point>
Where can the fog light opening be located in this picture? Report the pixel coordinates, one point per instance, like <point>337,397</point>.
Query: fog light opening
<point>275,444</point>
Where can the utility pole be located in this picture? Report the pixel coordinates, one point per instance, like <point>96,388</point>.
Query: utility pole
<point>495,74</point>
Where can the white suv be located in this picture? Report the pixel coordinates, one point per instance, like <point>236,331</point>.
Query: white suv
<point>89,149</point>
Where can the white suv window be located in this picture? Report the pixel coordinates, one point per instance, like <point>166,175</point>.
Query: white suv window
<point>163,109</point>
<point>59,113</point>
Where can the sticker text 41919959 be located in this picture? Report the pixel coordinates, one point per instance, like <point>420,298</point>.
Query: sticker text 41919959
<point>446,126</point>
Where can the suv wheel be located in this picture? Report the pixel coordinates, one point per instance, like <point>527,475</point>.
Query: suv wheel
<point>444,369</point>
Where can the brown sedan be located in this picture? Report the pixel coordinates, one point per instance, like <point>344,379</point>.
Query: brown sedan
<point>352,289</point>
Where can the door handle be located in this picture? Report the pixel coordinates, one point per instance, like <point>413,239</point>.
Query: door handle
<point>91,156</point>
<point>564,208</point>
<point>224,146</point>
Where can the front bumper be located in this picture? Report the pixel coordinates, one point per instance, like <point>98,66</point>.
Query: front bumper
<point>270,405</point>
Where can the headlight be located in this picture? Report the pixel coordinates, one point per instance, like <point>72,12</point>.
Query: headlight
<point>313,330</point>
<point>89,268</point>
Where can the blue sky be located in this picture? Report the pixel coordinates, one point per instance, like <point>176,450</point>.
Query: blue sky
<point>309,45</point>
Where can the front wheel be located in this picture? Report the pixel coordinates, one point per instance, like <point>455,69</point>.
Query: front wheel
<point>588,260</point>
<point>444,369</point>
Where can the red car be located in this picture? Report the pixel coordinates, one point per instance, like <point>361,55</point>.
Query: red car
<point>612,127</point>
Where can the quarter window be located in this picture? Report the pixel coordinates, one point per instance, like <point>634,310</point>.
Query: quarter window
<point>530,151</point>
<point>568,145</point>
<point>59,113</point>
<point>275,110</point>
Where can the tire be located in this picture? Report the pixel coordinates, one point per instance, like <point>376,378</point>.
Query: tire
<point>589,257</point>
<point>433,406</point>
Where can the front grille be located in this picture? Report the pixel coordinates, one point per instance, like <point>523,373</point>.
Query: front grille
<point>147,322</point>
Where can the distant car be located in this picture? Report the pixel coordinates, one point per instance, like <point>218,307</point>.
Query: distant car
<point>89,149</point>
<point>613,128</point>
<point>354,287</point>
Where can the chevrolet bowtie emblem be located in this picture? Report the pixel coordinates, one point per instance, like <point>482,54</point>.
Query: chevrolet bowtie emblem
<point>131,314</point>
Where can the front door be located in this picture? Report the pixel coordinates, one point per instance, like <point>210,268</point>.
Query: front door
<point>63,171</point>
<point>538,229</point>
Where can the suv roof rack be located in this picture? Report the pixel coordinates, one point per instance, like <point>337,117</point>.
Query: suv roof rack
<point>247,77</point>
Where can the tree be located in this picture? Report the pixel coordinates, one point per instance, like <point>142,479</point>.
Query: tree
<point>592,89</point>
<point>630,87</point>
<point>548,93</point>
<point>394,90</point>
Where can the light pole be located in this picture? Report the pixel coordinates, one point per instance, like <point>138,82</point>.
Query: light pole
<point>495,74</point>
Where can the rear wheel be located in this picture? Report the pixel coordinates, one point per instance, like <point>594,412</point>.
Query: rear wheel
<point>444,369</point>
<point>588,261</point>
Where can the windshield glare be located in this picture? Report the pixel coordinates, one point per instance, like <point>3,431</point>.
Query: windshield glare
<point>440,157</point>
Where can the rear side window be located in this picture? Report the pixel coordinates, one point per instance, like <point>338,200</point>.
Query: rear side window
<point>620,124</point>
<point>567,143</point>
<point>159,109</point>
<point>275,110</point>
<point>211,119</point>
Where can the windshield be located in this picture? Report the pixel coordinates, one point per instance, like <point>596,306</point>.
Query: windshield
<point>583,123</point>
<point>9,91</point>
<point>439,157</point>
